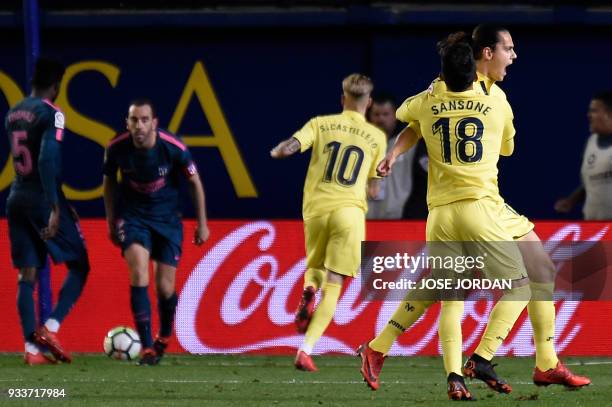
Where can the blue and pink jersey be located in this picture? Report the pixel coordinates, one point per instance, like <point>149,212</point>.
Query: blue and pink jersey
<point>149,185</point>
<point>35,128</point>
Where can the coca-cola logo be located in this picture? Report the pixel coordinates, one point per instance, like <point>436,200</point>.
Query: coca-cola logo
<point>239,290</point>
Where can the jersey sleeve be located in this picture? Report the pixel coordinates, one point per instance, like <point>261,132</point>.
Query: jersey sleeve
<point>416,127</point>
<point>408,113</point>
<point>186,163</point>
<point>409,110</point>
<point>307,135</point>
<point>110,166</point>
<point>59,122</point>
<point>507,146</point>
<point>379,156</point>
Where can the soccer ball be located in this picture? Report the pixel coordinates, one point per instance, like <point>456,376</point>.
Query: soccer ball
<point>122,343</point>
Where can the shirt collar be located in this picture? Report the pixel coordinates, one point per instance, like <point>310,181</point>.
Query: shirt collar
<point>487,81</point>
<point>353,114</point>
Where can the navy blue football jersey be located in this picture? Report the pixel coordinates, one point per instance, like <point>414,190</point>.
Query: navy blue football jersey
<point>150,179</point>
<point>35,127</point>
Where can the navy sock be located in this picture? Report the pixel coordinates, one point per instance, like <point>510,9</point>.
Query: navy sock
<point>141,309</point>
<point>25,306</point>
<point>69,294</point>
<point>166,308</point>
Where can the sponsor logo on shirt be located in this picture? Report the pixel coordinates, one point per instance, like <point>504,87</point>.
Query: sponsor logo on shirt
<point>148,188</point>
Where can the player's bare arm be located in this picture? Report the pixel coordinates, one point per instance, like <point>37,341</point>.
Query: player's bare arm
<point>110,187</point>
<point>48,169</point>
<point>373,187</point>
<point>53,224</point>
<point>404,142</point>
<point>199,203</point>
<point>565,205</point>
<point>286,148</point>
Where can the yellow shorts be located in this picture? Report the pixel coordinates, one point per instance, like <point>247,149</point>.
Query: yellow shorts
<point>477,227</point>
<point>517,225</point>
<point>333,241</point>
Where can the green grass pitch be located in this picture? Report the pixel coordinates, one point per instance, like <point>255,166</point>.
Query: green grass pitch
<point>94,379</point>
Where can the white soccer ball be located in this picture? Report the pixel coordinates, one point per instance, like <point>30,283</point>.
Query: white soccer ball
<point>122,343</point>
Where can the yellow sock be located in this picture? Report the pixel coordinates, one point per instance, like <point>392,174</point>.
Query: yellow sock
<point>322,315</point>
<point>314,278</point>
<point>542,316</point>
<point>449,330</point>
<point>502,319</point>
<point>405,315</point>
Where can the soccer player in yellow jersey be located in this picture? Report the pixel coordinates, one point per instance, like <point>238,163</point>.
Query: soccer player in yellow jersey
<point>342,169</point>
<point>494,51</point>
<point>465,131</point>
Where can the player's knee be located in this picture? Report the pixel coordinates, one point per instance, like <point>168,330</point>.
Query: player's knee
<point>165,290</point>
<point>541,269</point>
<point>545,270</point>
<point>541,291</point>
<point>139,278</point>
<point>520,291</point>
<point>164,285</point>
<point>139,274</point>
<point>334,278</point>
<point>27,274</point>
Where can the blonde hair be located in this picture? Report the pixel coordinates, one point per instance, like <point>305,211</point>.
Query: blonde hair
<point>357,86</point>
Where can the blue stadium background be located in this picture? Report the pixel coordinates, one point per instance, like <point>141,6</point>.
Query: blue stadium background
<point>273,68</point>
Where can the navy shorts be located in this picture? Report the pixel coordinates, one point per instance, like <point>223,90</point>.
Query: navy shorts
<point>163,240</point>
<point>26,218</point>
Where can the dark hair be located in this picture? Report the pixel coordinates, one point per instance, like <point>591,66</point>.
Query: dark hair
<point>452,39</point>
<point>485,36</point>
<point>47,72</point>
<point>144,102</point>
<point>604,96</point>
<point>380,98</point>
<point>458,65</point>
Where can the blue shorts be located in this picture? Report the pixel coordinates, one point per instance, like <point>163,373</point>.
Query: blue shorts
<point>27,217</point>
<point>163,240</point>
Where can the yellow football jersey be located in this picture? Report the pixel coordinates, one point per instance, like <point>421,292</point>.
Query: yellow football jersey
<point>345,152</point>
<point>488,86</point>
<point>483,85</point>
<point>463,132</point>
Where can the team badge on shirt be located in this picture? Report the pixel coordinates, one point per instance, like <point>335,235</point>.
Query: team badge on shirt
<point>59,120</point>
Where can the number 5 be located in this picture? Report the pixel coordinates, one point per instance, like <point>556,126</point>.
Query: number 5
<point>19,150</point>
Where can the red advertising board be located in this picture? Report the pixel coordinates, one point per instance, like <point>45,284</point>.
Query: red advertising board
<point>238,293</point>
